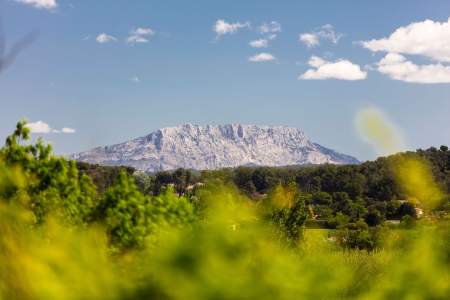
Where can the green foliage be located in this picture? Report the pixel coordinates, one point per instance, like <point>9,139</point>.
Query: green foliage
<point>56,188</point>
<point>288,213</point>
<point>232,254</point>
<point>373,218</point>
<point>54,184</point>
<point>131,216</point>
<point>169,209</point>
<point>126,213</point>
<point>103,176</point>
<point>322,198</point>
<point>407,222</point>
<point>212,242</point>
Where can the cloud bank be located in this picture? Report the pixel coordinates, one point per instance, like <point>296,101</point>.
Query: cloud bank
<point>397,67</point>
<point>428,38</point>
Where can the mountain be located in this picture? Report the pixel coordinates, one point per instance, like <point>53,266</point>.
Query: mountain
<point>213,147</point>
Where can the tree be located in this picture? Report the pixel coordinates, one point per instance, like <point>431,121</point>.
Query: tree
<point>130,216</point>
<point>321,198</point>
<point>126,213</point>
<point>373,218</point>
<point>339,221</point>
<point>264,179</point>
<point>342,202</point>
<point>407,209</point>
<point>392,209</point>
<point>290,214</point>
<point>169,209</point>
<point>357,210</point>
<point>243,179</point>
<point>53,183</point>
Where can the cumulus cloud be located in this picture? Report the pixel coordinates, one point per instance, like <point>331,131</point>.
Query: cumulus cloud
<point>326,32</point>
<point>309,39</point>
<point>221,27</point>
<point>428,38</point>
<point>41,4</point>
<point>262,57</point>
<point>140,35</point>
<point>397,67</point>
<point>341,69</point>
<point>105,38</point>
<point>271,27</point>
<point>44,128</point>
<point>261,43</point>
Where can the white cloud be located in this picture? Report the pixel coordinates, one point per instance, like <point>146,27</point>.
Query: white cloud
<point>272,27</point>
<point>341,69</point>
<point>143,31</point>
<point>261,43</point>
<point>309,39</point>
<point>39,127</point>
<point>221,27</point>
<point>397,67</point>
<point>42,127</point>
<point>140,35</point>
<point>326,32</point>
<point>428,38</point>
<point>105,38</point>
<point>68,130</point>
<point>42,4</point>
<point>262,57</point>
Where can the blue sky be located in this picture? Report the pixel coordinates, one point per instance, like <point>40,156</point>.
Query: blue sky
<point>86,71</point>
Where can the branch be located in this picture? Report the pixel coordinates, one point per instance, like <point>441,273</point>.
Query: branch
<point>7,58</point>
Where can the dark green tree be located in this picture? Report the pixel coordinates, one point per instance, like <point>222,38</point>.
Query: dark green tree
<point>126,212</point>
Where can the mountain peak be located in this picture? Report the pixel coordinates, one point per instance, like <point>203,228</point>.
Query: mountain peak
<point>215,146</point>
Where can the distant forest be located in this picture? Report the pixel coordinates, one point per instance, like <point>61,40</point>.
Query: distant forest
<point>335,194</point>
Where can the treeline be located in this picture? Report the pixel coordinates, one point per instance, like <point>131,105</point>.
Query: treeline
<point>370,190</point>
<point>334,194</point>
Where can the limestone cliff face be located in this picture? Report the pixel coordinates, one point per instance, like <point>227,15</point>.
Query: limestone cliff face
<point>213,147</point>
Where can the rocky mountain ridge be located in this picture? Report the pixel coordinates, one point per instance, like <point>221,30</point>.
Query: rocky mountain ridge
<point>214,147</point>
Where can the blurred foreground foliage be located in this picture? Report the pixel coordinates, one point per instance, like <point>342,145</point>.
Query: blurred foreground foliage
<point>60,239</point>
